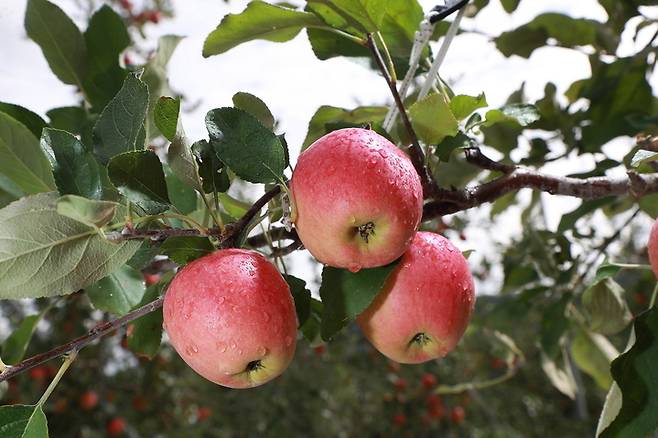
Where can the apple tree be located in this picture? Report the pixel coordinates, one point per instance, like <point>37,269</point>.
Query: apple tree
<point>114,224</point>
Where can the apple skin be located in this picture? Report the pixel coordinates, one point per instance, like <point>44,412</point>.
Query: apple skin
<point>653,248</point>
<point>228,311</point>
<point>430,293</point>
<point>348,179</point>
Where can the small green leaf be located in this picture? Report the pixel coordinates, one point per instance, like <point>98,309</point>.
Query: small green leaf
<point>554,325</point>
<point>181,160</point>
<point>331,115</point>
<point>183,197</point>
<point>448,145</point>
<point>569,220</point>
<point>643,156</point>
<point>608,311</point>
<point>432,119</point>
<point>254,106</point>
<point>302,297</point>
<point>234,207</point>
<point>249,149</point>
<point>212,171</point>
<point>636,374</point>
<point>140,178</point>
<point>106,37</point>
<point>23,421</point>
<point>521,114</point>
<point>649,204</point>
<point>60,40</point>
<point>32,121</point>
<point>184,249</point>
<point>589,358</point>
<point>146,334</point>
<point>165,116</point>
<point>75,168</point>
<point>16,344</point>
<point>259,21</point>
<point>346,294</point>
<point>119,292</point>
<point>21,159</point>
<point>561,377</point>
<point>75,120</point>
<point>90,212</point>
<point>121,124</point>
<point>607,270</point>
<point>462,106</point>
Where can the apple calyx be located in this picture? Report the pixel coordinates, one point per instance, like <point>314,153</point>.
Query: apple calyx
<point>366,230</point>
<point>254,365</point>
<point>420,340</point>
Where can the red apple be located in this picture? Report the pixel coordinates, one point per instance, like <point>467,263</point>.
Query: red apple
<point>457,415</point>
<point>116,426</point>
<point>653,247</point>
<point>428,380</point>
<point>400,384</point>
<point>425,305</point>
<point>88,400</point>
<point>399,419</point>
<point>151,279</point>
<point>358,199</point>
<point>231,317</point>
<point>203,413</point>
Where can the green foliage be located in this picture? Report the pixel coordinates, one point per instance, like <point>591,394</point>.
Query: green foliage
<point>254,106</point>
<point>346,294</point>
<point>328,117</point>
<point>146,334</point>
<point>119,292</point>
<point>21,421</point>
<point>32,121</point>
<point>165,116</point>
<point>184,249</point>
<point>302,297</point>
<point>88,211</point>
<point>432,119</point>
<point>609,313</point>
<point>15,346</point>
<point>212,171</point>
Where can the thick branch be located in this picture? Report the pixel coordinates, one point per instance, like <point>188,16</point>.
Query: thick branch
<point>79,343</point>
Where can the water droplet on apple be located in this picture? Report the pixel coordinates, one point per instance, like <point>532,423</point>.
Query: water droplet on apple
<point>372,162</point>
<point>234,345</point>
<point>288,341</point>
<point>221,300</point>
<point>354,267</point>
<point>191,349</point>
<point>240,352</point>
<point>262,351</point>
<point>266,316</point>
<point>221,346</point>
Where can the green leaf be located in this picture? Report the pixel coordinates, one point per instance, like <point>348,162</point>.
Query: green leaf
<point>43,253</point>
<point>89,212</point>
<point>346,294</point>
<point>234,207</point>
<point>561,377</point>
<point>327,115</point>
<point>75,168</point>
<point>140,178</point>
<point>181,160</point>
<point>554,324</point>
<point>608,311</point>
<point>60,40</point>
<point>565,30</point>
<point>183,197</point>
<point>118,128</point>
<point>146,334</point>
<point>254,106</point>
<point>184,249</point>
<point>649,204</point>
<point>589,358</point>
<point>249,149</point>
<point>433,120</point>
<point>212,171</point>
<point>75,120</point>
<point>569,220</point>
<point>119,292</point>
<point>259,21</point>
<point>22,421</point>
<point>636,374</point>
<point>165,116</point>
<point>106,38</point>
<point>14,347</point>
<point>30,120</point>
<point>643,156</point>
<point>607,270</point>
<point>21,159</point>
<point>462,106</point>
<point>521,114</point>
<point>302,297</point>
<point>510,5</point>
<point>447,146</point>
<point>361,15</point>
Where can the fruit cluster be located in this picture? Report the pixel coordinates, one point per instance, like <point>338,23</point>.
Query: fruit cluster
<point>357,203</point>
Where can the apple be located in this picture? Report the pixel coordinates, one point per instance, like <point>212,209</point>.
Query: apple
<point>357,199</point>
<point>116,426</point>
<point>151,279</point>
<point>88,400</point>
<point>457,415</point>
<point>653,247</point>
<point>425,304</point>
<point>428,380</point>
<point>203,413</point>
<point>399,419</point>
<point>231,317</point>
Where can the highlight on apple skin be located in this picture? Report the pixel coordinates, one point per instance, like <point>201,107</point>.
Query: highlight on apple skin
<point>357,199</point>
<point>425,305</point>
<point>653,248</point>
<point>231,317</point>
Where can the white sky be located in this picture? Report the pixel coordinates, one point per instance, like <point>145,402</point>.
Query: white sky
<point>294,84</point>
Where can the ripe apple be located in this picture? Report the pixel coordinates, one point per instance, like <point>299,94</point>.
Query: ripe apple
<point>231,317</point>
<point>425,305</point>
<point>357,199</point>
<point>457,415</point>
<point>653,247</point>
<point>88,400</point>
<point>116,426</point>
<point>428,380</point>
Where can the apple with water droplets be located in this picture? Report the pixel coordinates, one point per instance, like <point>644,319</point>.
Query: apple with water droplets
<point>231,317</point>
<point>357,199</point>
<point>653,247</point>
<point>425,304</point>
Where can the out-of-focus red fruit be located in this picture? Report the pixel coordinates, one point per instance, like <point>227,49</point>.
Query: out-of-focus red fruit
<point>153,16</point>
<point>116,426</point>
<point>428,380</point>
<point>203,413</point>
<point>124,343</point>
<point>126,4</point>
<point>88,400</point>
<point>400,384</point>
<point>139,403</point>
<point>498,363</point>
<point>151,279</point>
<point>436,411</point>
<point>320,349</point>
<point>393,366</point>
<point>140,18</point>
<point>39,374</point>
<point>457,415</point>
<point>399,419</point>
<point>641,299</point>
<point>127,60</point>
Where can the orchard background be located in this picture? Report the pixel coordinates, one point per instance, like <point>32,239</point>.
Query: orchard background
<point>563,283</point>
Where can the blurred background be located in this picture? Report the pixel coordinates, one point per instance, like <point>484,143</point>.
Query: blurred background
<point>344,388</point>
